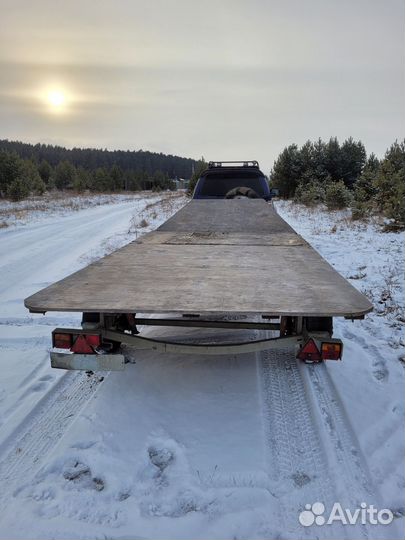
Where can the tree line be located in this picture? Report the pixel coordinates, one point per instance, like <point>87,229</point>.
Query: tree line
<point>342,175</point>
<point>27,168</point>
<point>92,158</point>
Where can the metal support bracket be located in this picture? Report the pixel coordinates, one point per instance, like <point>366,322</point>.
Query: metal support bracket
<point>142,343</point>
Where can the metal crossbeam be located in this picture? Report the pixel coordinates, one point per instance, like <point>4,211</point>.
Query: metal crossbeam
<point>196,323</point>
<point>141,343</point>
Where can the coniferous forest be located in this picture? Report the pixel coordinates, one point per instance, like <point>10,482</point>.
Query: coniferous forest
<point>33,169</point>
<point>342,175</point>
<point>321,172</point>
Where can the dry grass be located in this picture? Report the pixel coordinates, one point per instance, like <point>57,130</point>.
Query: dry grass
<point>384,298</point>
<point>143,223</point>
<point>343,218</point>
<point>165,206</point>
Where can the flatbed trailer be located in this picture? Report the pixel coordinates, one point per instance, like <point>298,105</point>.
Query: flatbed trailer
<point>213,261</point>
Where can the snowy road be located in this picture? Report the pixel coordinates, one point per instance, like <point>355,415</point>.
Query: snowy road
<point>180,447</point>
<point>34,256</point>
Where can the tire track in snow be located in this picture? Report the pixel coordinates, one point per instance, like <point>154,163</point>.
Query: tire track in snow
<point>296,460</point>
<point>354,482</point>
<point>26,449</point>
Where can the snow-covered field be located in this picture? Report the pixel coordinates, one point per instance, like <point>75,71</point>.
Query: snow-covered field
<point>178,447</point>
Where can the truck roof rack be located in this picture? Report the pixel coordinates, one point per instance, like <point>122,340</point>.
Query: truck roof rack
<point>249,163</point>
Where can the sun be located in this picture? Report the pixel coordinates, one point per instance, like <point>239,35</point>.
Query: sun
<point>56,99</point>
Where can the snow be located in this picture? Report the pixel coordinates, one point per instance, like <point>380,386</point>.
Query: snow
<point>196,447</point>
<point>37,208</point>
<point>35,255</point>
<point>371,381</point>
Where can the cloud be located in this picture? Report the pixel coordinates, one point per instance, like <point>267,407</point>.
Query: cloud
<point>223,79</point>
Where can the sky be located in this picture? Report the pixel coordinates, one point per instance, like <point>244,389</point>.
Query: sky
<point>224,79</point>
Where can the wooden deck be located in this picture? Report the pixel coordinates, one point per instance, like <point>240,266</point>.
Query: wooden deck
<point>213,257</point>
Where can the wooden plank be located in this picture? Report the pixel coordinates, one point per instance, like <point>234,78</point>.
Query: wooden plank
<point>264,268</point>
<point>246,216</point>
<point>230,239</point>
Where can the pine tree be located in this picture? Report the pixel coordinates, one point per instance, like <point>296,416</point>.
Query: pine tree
<point>131,181</point>
<point>389,184</point>
<point>45,171</point>
<point>101,180</point>
<point>18,189</point>
<point>337,195</point>
<point>82,180</point>
<point>333,160</point>
<point>320,160</point>
<point>286,171</point>
<point>307,159</point>
<point>10,169</point>
<point>30,175</point>
<point>353,159</point>
<point>117,178</point>
<point>365,181</point>
<point>64,175</point>
<point>199,167</point>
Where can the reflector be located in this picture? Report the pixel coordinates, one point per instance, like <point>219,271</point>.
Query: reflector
<point>84,344</point>
<point>309,352</point>
<point>93,340</point>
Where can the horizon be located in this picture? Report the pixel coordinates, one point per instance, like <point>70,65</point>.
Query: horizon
<point>176,80</point>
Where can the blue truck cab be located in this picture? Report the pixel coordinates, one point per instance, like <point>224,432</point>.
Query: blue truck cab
<point>231,180</point>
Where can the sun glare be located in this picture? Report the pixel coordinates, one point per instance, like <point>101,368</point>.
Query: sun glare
<point>56,99</point>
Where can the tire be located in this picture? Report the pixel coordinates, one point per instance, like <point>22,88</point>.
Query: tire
<point>240,192</point>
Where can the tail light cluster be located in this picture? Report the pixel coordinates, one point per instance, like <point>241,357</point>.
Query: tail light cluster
<point>331,350</point>
<point>75,341</point>
<point>316,350</point>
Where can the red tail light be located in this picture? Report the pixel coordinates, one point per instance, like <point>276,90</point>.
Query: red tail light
<point>75,341</point>
<point>62,341</point>
<point>332,350</point>
<point>310,352</point>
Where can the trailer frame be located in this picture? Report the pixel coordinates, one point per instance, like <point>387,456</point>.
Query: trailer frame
<point>111,335</point>
<point>219,264</point>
